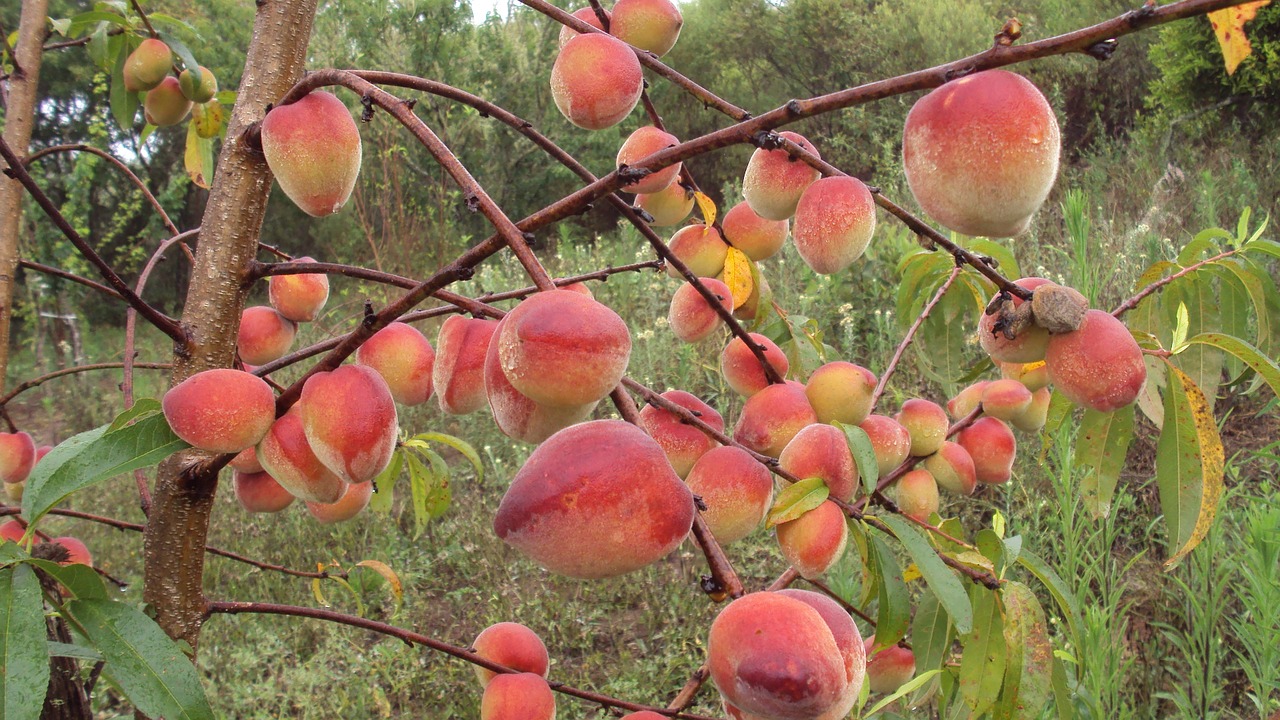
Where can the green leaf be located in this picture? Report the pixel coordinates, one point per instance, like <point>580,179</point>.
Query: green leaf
<point>991,547</point>
<point>1008,264</point>
<point>1250,355</point>
<point>796,500</point>
<point>1266,247</point>
<point>1061,594</point>
<point>1237,274</point>
<point>983,661</point>
<point>180,49</point>
<point>141,409</point>
<point>1061,693</point>
<point>931,636</point>
<point>1189,465</point>
<point>439,494</point>
<point>1182,322</point>
<point>142,661</point>
<point>940,578</point>
<point>462,446</point>
<point>386,480</point>
<point>23,655</point>
<point>1101,446</point>
<point>166,19</point>
<point>864,455</point>
<point>1029,673</point>
<point>894,602</point>
<point>69,650</point>
<point>83,581</point>
<point>419,480</point>
<point>907,688</point>
<point>124,104</point>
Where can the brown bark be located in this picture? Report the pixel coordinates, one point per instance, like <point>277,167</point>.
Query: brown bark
<point>179,520</point>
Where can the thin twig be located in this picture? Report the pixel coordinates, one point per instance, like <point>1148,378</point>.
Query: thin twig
<point>911,334</point>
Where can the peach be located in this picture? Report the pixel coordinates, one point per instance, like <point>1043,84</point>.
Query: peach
<point>518,696</point>
<point>404,358</point>
<point>758,238</point>
<point>350,421</point>
<point>993,448</point>
<point>652,25</point>
<point>815,541</point>
<point>220,410</point>
<point>835,220</point>
<point>165,105</point>
<point>773,416</point>
<point>645,141</point>
<point>691,317</point>
<point>286,454</point>
<point>260,493</point>
<point>77,551</point>
<point>917,494</point>
<point>700,248</point>
<point>981,153</point>
<point>12,530</point>
<point>313,147</point>
<point>513,645</point>
<point>355,498</point>
<point>774,181</point>
<point>669,206</point>
<point>841,392</point>
<point>586,15</point>
<point>952,468</point>
<point>1099,366</point>
<point>820,450</point>
<point>18,456</point>
<point>458,373</point>
<point>1005,399</point>
<point>682,443</point>
<point>596,500</point>
<point>14,491</point>
<point>42,451</point>
<point>927,424</point>
<point>891,441</point>
<point>264,336</point>
<point>301,297</point>
<point>562,348</point>
<point>1027,346</point>
<point>737,490</point>
<point>578,287</point>
<point>596,81</point>
<point>967,400</point>
<point>247,461</point>
<point>890,668</point>
<point>201,92</point>
<point>643,715</point>
<point>743,372</point>
<point>1034,375</point>
<point>147,65</point>
<point>1036,414</point>
<point>517,416</point>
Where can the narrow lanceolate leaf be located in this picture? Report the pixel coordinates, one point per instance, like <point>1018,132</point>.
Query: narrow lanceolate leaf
<point>69,650</point>
<point>864,455</point>
<point>707,207</point>
<point>385,483</point>
<point>1250,355</point>
<point>983,661</point>
<point>796,500</point>
<point>931,637</point>
<point>1028,675</point>
<point>141,660</point>
<point>940,578</point>
<point>1062,595</point>
<point>1103,442</point>
<point>23,654</point>
<point>893,600</point>
<point>919,681</point>
<point>462,446</point>
<point>1189,465</point>
<point>737,276</point>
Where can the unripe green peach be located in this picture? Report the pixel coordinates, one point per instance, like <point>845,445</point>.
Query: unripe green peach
<point>669,206</point>
<point>917,494</point>
<point>14,491</point>
<point>288,457</point>
<point>350,421</point>
<point>208,85</point>
<point>645,141</point>
<point>586,15</point>
<point>355,498</point>
<point>264,335</point>
<point>993,448</point>
<point>758,238</point>
<point>301,297</point>
<point>458,373</point>
<point>700,248</point>
<point>220,410</point>
<point>165,104</point>
<point>774,181</point>
<point>772,417</point>
<point>820,450</point>
<point>513,645</point>
<point>17,456</point>
<point>890,668</point>
<point>736,489</point>
<point>841,392</point>
<point>927,424</point>
<point>518,696</point>
<point>891,441</point>
<point>1036,414</point>
<point>652,25</point>
<point>952,468</point>
<point>682,443</point>
<point>815,541</point>
<point>742,370</point>
<point>596,81</point>
<point>691,317</point>
<point>147,65</point>
<point>313,148</point>
<point>1027,346</point>
<point>1099,366</point>
<point>1005,399</point>
<point>835,220</point>
<point>404,358</point>
<point>260,493</point>
<point>967,400</point>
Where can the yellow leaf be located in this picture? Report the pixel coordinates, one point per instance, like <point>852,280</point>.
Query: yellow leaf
<point>1228,25</point>
<point>208,118</point>
<point>198,158</point>
<point>387,574</point>
<point>707,207</point>
<point>737,275</point>
<point>911,573</point>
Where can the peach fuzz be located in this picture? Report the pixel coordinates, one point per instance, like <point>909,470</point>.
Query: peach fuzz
<point>313,148</point>
<point>404,358</point>
<point>820,450</point>
<point>518,696</point>
<point>77,551</point>
<point>967,400</point>
<point>736,488</point>
<point>1034,375</point>
<point>774,182</point>
<point>952,468</point>
<point>890,668</point>
<point>1005,399</point>
<point>682,443</point>
<point>742,370</point>
<point>586,15</point>
<point>300,297</point>
<point>220,410</point>
<point>1027,347</point>
<point>287,456</point>
<point>1037,414</point>
<point>835,220</point>
<point>260,493</point>
<point>772,417</point>
<point>891,441</point>
<point>758,238</point>
<point>596,500</point>
<point>669,206</point>
<point>18,456</point>
<point>513,645</point>
<point>517,416</point>
<point>700,248</point>
<point>458,372</point>
<point>165,105</point>
<point>350,421</point>
<point>917,494</point>
<point>927,424</point>
<point>147,65</point>
<point>355,498</point>
<point>980,153</point>
<point>264,336</point>
<point>815,541</point>
<point>596,81</point>
<point>1099,366</point>
<point>993,448</point>
<point>645,141</point>
<point>246,461</point>
<point>652,25</point>
<point>841,392</point>
<point>691,317</point>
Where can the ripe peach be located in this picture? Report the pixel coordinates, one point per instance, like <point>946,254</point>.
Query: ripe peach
<point>1099,366</point>
<point>404,358</point>
<point>18,456</point>
<point>891,441</point>
<point>313,147</point>
<point>669,206</point>
<point>835,220</point>
<point>652,25</point>
<point>773,416</point>
<point>774,181</point>
<point>1035,416</point>
<point>645,141</point>
<point>737,490</point>
<point>458,373</point>
<point>165,104</point>
<point>952,467</point>
<point>260,493</point>
<point>513,645</point>
<point>917,494</point>
<point>596,500</point>
<point>264,336</point>
<point>517,416</point>
<point>981,153</point>
<point>993,448</point>
<point>741,369</point>
<point>147,65</point>
<point>755,236</point>
<point>350,420</point>
<point>12,530</point>
<point>220,410</point>
<point>286,454</point>
<point>967,400</point>
<point>1034,375</point>
<point>820,450</point>
<point>586,15</point>
<point>518,696</point>
<point>841,392</point>
<point>1005,399</point>
<point>682,443</point>
<point>41,452</point>
<point>1027,347</point>
<point>813,542</point>
<point>559,347</point>
<point>700,248</point>
<point>596,81</point>
<point>927,424</point>
<point>691,317</point>
<point>208,85</point>
<point>890,668</point>
<point>355,498</point>
<point>643,715</point>
<point>299,298</point>
<point>77,551</point>
<point>247,461</point>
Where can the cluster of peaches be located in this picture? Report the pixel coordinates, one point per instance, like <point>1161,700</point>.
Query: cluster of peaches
<point>168,99</point>
<point>18,457</point>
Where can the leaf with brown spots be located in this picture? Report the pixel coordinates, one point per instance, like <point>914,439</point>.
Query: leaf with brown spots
<point>1228,26</point>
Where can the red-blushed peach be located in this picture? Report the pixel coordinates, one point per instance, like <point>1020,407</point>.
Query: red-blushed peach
<point>208,85</point>
<point>1034,375</point>
<point>517,416</point>
<point>513,645</point>
<point>596,81</point>
<point>458,373</point>
<point>917,494</point>
<point>927,424</point>
<point>645,141</point>
<point>891,441</point>
<point>981,153</point>
<point>967,400</point>
<point>774,181</point>
<point>841,392</point>
<point>12,530</point>
<point>652,25</point>
<point>286,454</point>
<point>890,668</point>
<point>301,297</point>
<point>691,317</point>
<point>579,287</point>
<point>220,410</point>
<point>77,551</point>
<point>42,451</point>
<point>313,148</point>
<point>18,456</point>
<point>1005,399</point>
<point>562,348</point>
<point>350,420</point>
<point>682,443</point>
<point>758,238</point>
<point>404,358</point>
<point>518,696</point>
<point>1099,366</point>
<point>586,15</point>
<point>264,336</point>
<point>993,448</point>
<point>736,489</point>
<point>260,493</point>
<point>771,417</point>
<point>742,370</point>
<point>596,500</point>
<point>355,498</point>
<point>820,450</point>
<point>848,640</point>
<point>835,220</point>
<point>147,65</point>
<point>246,461</point>
<point>815,541</point>
<point>1027,346</point>
<point>643,715</point>
<point>669,206</point>
<point>1036,414</point>
<point>953,469</point>
<point>700,248</point>
<point>165,105</point>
